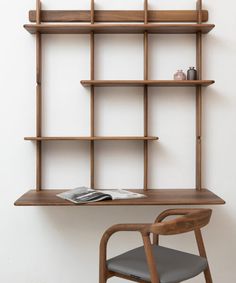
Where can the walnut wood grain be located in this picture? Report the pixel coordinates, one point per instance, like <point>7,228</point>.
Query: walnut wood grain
<point>119,16</point>
<point>154,197</point>
<point>156,83</point>
<point>118,28</point>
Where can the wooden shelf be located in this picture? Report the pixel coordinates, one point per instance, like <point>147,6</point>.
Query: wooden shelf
<point>156,83</point>
<point>110,138</point>
<point>154,197</point>
<point>142,22</point>
<point>118,28</point>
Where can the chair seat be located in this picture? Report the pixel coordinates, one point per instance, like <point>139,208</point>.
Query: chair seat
<point>173,266</point>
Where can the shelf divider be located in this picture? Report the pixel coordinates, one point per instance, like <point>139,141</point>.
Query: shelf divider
<point>92,102</point>
<point>145,98</point>
<point>199,102</point>
<point>38,99</point>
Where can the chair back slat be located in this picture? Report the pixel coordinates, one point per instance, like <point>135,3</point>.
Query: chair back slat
<point>193,220</point>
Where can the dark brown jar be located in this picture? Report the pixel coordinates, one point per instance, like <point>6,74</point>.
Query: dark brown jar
<point>191,74</point>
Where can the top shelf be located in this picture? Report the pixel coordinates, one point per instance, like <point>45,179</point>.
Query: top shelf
<point>118,28</point>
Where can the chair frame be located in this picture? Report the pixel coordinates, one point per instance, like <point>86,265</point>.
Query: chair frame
<point>190,220</point>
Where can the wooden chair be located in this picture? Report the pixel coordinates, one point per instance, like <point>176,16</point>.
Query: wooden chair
<point>152,262</point>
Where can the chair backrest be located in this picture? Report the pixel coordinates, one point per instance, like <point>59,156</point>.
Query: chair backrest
<point>193,220</point>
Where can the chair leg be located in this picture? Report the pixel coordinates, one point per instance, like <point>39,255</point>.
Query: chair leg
<point>202,252</point>
<point>102,279</point>
<point>103,272</point>
<point>150,259</point>
<point>207,275</point>
<point>102,276</point>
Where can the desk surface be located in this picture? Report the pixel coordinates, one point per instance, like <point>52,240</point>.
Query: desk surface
<point>153,197</point>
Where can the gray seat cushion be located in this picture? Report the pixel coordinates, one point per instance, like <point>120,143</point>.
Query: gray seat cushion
<point>173,266</point>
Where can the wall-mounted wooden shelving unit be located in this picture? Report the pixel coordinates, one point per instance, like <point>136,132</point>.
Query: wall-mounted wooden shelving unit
<point>121,22</point>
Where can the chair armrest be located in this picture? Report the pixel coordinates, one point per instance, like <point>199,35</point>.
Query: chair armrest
<point>141,228</point>
<point>144,229</point>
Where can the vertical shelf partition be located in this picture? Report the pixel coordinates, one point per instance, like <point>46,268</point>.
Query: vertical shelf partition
<point>52,25</point>
<point>199,102</point>
<point>38,100</point>
<point>92,126</point>
<point>145,98</point>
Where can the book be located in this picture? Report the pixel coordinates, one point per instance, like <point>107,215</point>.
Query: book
<point>85,195</point>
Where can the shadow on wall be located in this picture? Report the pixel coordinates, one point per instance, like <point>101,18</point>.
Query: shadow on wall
<point>90,220</point>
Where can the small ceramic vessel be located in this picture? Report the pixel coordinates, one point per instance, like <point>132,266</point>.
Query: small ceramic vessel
<point>179,75</point>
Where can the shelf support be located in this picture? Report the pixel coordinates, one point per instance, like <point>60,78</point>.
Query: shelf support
<point>38,99</point>
<point>92,99</point>
<point>199,101</point>
<point>145,99</point>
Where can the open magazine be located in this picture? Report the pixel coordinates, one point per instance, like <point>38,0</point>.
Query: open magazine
<point>85,195</point>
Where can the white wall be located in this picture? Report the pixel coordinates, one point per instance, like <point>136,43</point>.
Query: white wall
<point>44,245</point>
